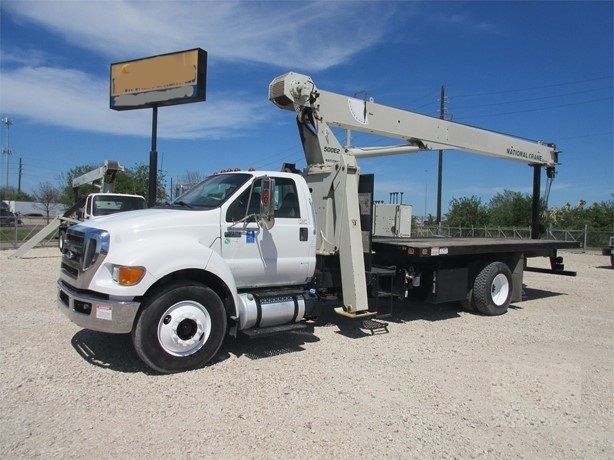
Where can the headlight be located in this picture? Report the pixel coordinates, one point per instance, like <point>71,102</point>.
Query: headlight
<point>127,276</point>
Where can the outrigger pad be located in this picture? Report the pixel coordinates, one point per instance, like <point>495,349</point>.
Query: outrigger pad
<point>355,314</point>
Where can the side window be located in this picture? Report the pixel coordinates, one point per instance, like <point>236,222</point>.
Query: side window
<point>238,208</point>
<point>286,199</point>
<point>285,196</point>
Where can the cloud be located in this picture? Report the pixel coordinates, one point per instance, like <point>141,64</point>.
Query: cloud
<point>71,98</point>
<point>41,86</point>
<point>313,35</point>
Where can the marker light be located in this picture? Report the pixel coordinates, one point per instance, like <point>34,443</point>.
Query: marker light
<point>127,276</point>
<point>265,197</point>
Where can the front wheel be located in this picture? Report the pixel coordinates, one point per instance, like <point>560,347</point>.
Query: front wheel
<point>180,328</point>
<point>492,289</point>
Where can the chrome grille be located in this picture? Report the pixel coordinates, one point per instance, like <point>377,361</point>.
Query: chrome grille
<point>82,248</point>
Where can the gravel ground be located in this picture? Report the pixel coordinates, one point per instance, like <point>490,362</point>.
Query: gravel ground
<point>437,382</point>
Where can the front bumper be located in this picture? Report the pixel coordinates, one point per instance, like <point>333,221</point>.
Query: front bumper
<point>96,314</point>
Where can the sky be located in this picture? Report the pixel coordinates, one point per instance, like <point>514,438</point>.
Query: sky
<point>537,70</point>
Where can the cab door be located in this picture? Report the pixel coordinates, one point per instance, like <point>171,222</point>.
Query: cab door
<point>268,257</point>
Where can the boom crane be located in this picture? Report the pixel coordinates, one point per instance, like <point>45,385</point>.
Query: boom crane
<point>333,174</point>
<point>103,177</point>
<point>321,109</point>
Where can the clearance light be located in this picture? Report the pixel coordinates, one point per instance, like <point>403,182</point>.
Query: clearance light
<point>127,276</point>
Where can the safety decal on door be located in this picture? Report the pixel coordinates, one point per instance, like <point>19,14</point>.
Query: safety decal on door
<point>250,236</point>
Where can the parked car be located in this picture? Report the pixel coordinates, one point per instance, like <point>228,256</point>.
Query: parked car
<point>7,218</point>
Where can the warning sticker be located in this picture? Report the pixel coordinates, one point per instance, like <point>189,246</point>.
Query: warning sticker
<point>104,312</point>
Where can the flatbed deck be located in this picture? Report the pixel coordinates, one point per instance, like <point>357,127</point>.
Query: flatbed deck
<point>436,247</point>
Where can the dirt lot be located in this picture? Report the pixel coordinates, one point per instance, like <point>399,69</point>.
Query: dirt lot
<point>436,383</point>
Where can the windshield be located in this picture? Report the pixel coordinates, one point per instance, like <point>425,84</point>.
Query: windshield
<point>110,204</point>
<point>211,192</point>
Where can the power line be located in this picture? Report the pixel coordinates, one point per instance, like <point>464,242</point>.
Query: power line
<point>533,87</point>
<point>541,98</point>
<point>537,109</point>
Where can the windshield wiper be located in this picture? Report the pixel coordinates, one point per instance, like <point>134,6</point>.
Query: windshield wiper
<point>182,203</point>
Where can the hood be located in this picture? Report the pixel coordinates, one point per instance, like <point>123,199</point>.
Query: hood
<point>170,221</point>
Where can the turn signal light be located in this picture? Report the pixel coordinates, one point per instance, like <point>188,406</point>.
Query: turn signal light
<point>128,276</point>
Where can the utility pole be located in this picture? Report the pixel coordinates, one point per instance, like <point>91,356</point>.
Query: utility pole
<point>20,173</point>
<point>442,111</point>
<point>7,150</point>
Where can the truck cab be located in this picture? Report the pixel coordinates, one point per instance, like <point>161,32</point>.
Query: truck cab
<point>103,204</point>
<point>235,252</point>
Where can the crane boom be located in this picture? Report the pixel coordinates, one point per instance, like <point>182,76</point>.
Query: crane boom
<point>293,91</point>
<point>105,174</point>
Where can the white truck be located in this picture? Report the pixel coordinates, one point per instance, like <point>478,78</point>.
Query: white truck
<point>255,252</point>
<point>102,203</point>
<point>93,206</point>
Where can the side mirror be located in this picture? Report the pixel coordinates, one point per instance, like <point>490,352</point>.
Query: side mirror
<point>267,209</point>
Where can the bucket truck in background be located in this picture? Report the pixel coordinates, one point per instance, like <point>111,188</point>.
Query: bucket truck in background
<point>102,203</point>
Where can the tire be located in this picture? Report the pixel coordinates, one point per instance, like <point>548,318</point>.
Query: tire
<point>467,303</point>
<point>492,289</point>
<point>180,328</point>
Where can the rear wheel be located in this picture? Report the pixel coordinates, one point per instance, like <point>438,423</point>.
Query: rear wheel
<point>180,328</point>
<point>467,302</point>
<point>492,289</point>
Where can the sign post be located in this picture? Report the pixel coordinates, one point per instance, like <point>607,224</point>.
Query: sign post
<point>163,80</point>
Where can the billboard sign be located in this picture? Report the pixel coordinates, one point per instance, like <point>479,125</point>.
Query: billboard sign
<point>166,79</point>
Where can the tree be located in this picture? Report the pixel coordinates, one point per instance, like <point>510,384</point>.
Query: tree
<point>188,181</point>
<point>47,195</point>
<point>11,194</point>
<point>193,177</point>
<point>598,216</point>
<point>467,212</point>
<point>136,181</point>
<point>510,209</point>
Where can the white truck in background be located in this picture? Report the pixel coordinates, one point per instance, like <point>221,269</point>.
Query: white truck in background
<point>92,206</point>
<point>256,252</point>
<point>99,204</point>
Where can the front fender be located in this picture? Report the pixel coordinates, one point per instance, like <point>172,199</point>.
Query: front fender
<point>160,259</point>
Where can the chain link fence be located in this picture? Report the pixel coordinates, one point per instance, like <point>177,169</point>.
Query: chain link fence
<point>15,234</point>
<point>590,239</point>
